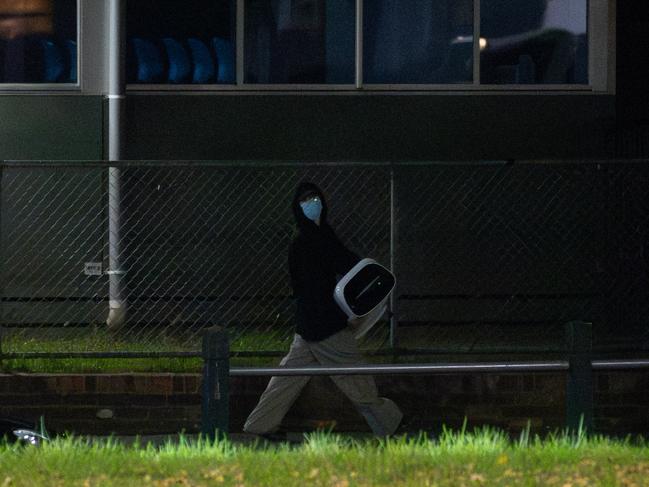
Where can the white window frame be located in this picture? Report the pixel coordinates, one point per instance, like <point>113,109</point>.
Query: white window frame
<point>601,65</point>
<point>54,87</point>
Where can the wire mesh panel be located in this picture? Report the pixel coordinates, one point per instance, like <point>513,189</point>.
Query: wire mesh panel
<point>199,245</point>
<point>501,256</point>
<point>52,222</point>
<point>487,256</point>
<point>626,261</point>
<point>209,246</point>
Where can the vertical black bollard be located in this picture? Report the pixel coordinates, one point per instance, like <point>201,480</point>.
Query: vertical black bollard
<point>216,383</point>
<point>579,387</point>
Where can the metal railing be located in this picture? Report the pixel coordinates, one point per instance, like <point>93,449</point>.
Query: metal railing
<point>489,257</point>
<point>578,364</point>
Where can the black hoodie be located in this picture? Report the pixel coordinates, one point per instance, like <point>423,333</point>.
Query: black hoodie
<point>316,258</point>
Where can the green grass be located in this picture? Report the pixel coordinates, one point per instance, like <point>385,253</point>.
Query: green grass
<point>484,457</point>
<point>101,366</point>
<point>102,341</point>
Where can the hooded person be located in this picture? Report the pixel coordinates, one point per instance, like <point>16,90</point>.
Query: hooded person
<point>316,259</point>
<point>322,336</point>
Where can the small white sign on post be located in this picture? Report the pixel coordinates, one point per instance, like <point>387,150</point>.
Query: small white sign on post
<point>92,269</point>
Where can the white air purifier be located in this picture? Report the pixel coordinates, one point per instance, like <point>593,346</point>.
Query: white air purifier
<point>363,294</point>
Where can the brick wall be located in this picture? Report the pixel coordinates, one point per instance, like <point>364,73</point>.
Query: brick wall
<point>140,403</point>
<point>167,403</point>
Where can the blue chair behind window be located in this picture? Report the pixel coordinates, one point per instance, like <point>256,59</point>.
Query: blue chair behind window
<point>225,60</point>
<point>204,69</point>
<point>148,61</point>
<point>71,48</point>
<point>53,64</point>
<point>179,64</point>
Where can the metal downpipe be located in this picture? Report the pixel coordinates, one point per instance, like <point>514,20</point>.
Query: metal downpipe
<point>115,102</point>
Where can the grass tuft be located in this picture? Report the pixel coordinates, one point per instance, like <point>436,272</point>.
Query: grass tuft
<point>484,456</point>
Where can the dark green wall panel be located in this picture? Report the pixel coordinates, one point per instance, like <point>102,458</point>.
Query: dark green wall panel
<point>370,127</point>
<point>315,127</point>
<point>50,127</point>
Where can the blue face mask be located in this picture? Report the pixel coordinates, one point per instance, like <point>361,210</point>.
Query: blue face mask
<point>312,208</point>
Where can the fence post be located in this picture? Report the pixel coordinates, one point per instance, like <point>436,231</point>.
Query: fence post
<point>216,383</point>
<point>579,386</point>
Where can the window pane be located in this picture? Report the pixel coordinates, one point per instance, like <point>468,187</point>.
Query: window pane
<point>300,41</point>
<point>534,41</point>
<point>417,41</point>
<point>180,42</point>
<point>38,41</point>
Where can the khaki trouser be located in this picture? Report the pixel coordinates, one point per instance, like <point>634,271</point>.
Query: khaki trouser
<point>382,415</point>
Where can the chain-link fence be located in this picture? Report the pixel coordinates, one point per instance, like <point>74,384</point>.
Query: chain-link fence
<point>488,257</point>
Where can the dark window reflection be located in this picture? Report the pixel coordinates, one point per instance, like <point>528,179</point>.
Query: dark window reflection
<point>38,41</point>
<point>180,42</point>
<point>299,41</point>
<point>418,41</point>
<point>534,41</point>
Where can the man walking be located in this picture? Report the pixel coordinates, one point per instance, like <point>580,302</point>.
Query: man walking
<point>316,258</point>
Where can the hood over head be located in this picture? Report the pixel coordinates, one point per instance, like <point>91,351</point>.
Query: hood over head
<point>305,225</point>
